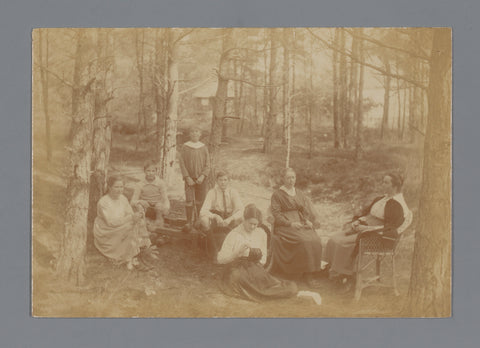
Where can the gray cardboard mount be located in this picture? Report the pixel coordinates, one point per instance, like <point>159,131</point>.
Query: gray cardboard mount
<point>19,329</point>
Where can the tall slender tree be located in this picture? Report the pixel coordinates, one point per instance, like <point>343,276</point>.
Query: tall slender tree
<point>386,96</point>
<point>336,129</point>
<point>71,263</point>
<point>359,106</point>
<point>219,102</point>
<point>43,62</point>
<point>430,285</point>
<point>102,130</point>
<point>273,89</point>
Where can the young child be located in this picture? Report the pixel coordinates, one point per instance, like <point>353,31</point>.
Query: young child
<point>195,167</point>
<point>151,192</point>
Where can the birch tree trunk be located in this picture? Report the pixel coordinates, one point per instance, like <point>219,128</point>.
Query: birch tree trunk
<point>160,89</point>
<point>102,130</point>
<point>430,285</point>
<point>170,125</point>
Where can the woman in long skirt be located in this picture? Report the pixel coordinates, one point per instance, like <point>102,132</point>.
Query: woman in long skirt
<point>297,249</point>
<point>244,251</point>
<point>383,217</point>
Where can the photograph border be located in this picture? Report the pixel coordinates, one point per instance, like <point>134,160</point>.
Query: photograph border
<point>18,328</point>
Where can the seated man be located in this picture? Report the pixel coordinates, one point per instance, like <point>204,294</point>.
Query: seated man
<point>220,213</point>
<point>151,193</point>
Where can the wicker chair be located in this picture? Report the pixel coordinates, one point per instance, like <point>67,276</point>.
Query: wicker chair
<point>372,250</point>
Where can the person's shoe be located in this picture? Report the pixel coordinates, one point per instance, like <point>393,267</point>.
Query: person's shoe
<point>346,286</point>
<point>187,228</point>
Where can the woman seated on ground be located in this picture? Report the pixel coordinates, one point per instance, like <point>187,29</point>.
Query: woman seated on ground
<point>382,217</point>
<point>296,248</point>
<point>118,232</point>
<point>245,252</point>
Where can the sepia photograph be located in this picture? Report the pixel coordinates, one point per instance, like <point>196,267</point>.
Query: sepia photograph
<point>241,172</point>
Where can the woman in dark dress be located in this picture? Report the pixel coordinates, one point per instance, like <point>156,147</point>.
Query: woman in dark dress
<point>384,217</point>
<point>244,251</point>
<point>296,248</point>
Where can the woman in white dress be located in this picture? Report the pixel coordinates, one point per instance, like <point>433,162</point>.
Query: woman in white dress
<point>118,232</point>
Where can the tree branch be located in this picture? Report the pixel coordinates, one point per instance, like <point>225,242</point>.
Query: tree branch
<point>55,75</point>
<point>382,44</point>
<point>181,36</point>
<point>196,86</point>
<point>371,66</point>
<point>251,83</point>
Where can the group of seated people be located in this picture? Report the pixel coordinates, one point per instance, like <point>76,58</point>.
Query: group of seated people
<point>236,235</point>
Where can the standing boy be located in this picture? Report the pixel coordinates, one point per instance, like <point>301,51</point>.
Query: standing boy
<point>195,167</point>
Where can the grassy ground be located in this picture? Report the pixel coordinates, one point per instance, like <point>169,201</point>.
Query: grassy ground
<point>183,283</point>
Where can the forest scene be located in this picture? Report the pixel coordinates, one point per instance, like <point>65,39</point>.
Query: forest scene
<point>343,107</point>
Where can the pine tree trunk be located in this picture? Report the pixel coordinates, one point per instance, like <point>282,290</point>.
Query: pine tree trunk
<point>139,43</point>
<point>386,97</point>
<point>405,96</point>
<point>399,105</point>
<point>44,79</point>
<point>411,114</point>
<point>359,107</point>
<point>353,99</point>
<point>430,285</point>
<point>310,106</point>
<point>273,92</point>
<point>336,140</point>
<point>286,83</point>
<point>219,101</point>
<point>265,83</point>
<point>71,263</point>
<point>343,90</point>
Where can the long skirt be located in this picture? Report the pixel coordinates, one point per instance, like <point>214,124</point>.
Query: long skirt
<point>296,251</point>
<point>249,280</point>
<point>120,243</point>
<point>342,250</point>
<point>340,253</point>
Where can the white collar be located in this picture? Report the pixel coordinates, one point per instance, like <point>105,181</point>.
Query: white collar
<point>155,181</point>
<point>193,145</point>
<point>292,192</point>
<point>220,190</point>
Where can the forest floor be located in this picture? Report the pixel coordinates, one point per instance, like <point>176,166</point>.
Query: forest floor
<point>184,283</point>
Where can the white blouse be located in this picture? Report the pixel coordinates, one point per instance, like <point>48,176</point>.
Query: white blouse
<point>239,237</point>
